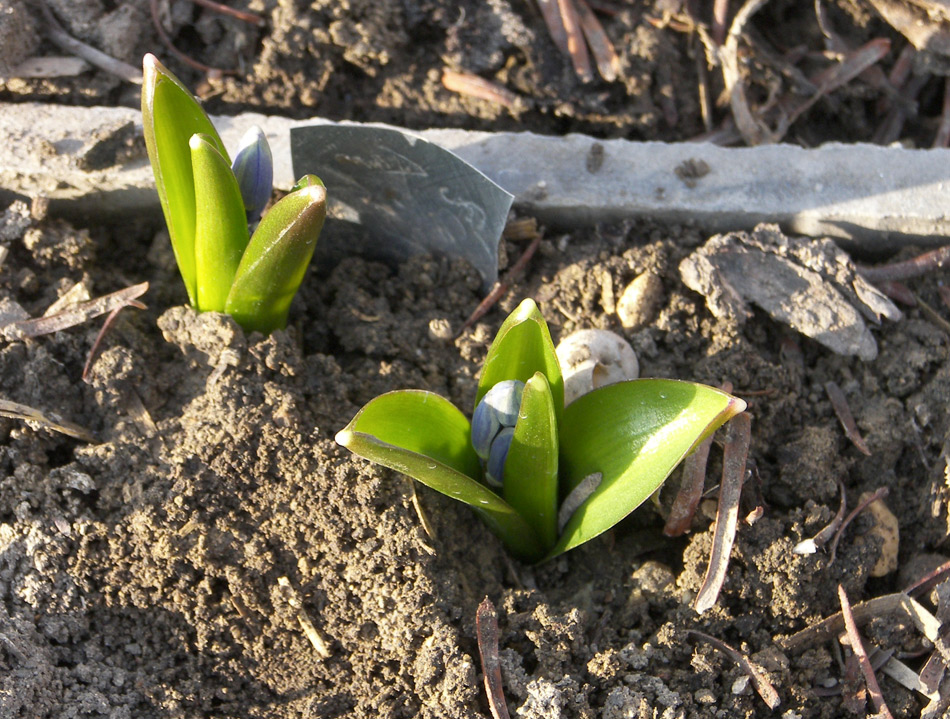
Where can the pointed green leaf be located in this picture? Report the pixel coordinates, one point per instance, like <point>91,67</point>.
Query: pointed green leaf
<point>522,347</point>
<point>426,437</point>
<point>170,116</point>
<point>276,258</point>
<point>221,224</point>
<point>531,476</point>
<point>634,433</point>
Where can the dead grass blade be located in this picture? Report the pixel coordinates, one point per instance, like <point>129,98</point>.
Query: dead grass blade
<point>756,674</point>
<point>465,83</point>
<point>874,689</point>
<point>840,405</point>
<point>106,326</point>
<point>735,454</point>
<point>15,410</point>
<point>75,315</point>
<point>605,57</point>
<point>576,47</point>
<point>486,629</point>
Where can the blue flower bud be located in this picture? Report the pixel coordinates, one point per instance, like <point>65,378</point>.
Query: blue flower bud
<point>494,469</point>
<point>253,167</point>
<point>505,400</point>
<point>485,426</point>
<point>496,413</point>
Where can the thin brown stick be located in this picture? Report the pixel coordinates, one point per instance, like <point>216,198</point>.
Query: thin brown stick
<point>576,46</point>
<point>810,546</point>
<point>928,580</point>
<point>874,689</point>
<point>247,17</point>
<point>908,269</point>
<point>691,491</point>
<point>720,13</point>
<point>465,83</point>
<point>75,315</point>
<point>691,487</point>
<point>486,630</point>
<point>878,494</point>
<point>59,37</point>
<point>500,288</point>
<point>735,454</point>
<point>840,405</point>
<point>759,678</point>
<point>552,18</point>
<point>606,58</point>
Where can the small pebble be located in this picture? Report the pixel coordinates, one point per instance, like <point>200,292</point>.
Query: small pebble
<point>640,301</point>
<point>440,329</point>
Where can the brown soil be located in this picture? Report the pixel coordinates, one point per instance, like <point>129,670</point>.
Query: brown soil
<point>162,571</point>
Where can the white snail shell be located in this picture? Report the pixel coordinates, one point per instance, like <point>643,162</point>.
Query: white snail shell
<point>593,358</point>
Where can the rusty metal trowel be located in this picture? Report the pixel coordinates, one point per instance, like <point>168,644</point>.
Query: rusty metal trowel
<point>392,195</point>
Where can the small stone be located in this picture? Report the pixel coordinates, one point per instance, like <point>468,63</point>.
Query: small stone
<point>704,696</point>
<point>741,685</point>
<point>640,301</point>
<point>440,329</point>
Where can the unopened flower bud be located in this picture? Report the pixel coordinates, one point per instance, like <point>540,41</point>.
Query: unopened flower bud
<point>253,167</point>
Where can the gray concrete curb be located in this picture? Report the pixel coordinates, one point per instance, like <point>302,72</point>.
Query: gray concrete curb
<point>879,197</point>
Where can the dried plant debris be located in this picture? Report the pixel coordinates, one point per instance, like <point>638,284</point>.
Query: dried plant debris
<point>810,285</point>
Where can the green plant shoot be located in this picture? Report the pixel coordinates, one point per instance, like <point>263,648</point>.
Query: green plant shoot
<point>544,477</point>
<point>228,261</point>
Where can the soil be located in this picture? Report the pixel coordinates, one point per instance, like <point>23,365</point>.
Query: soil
<point>169,568</point>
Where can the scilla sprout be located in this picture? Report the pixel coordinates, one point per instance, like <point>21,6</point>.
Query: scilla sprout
<point>544,477</point>
<point>212,207</point>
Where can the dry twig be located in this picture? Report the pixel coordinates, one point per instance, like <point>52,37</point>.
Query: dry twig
<point>606,58</point>
<point>486,629</point>
<point>858,648</point>
<point>908,269</point>
<point>247,17</point>
<point>759,678</point>
<point>735,453</point>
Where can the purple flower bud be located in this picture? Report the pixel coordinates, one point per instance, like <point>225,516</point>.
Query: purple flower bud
<point>254,169</point>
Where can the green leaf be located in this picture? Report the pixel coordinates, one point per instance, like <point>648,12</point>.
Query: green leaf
<point>634,433</point>
<point>522,347</point>
<point>276,258</point>
<point>170,116</point>
<point>531,469</point>
<point>221,224</point>
<point>426,437</point>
